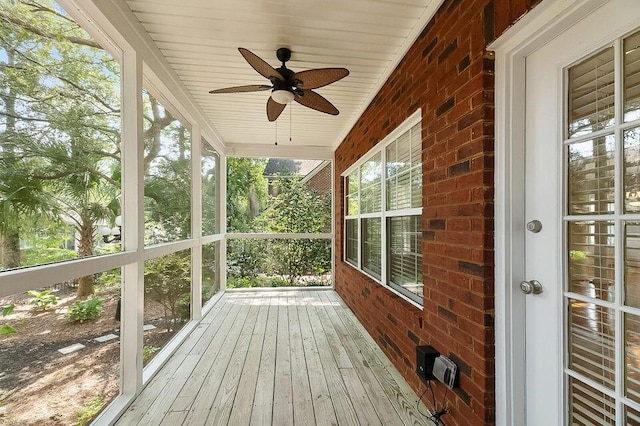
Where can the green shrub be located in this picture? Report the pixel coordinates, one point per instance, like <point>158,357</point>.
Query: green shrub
<point>42,300</point>
<point>240,282</point>
<point>91,408</point>
<point>7,328</point>
<point>84,310</point>
<point>148,351</point>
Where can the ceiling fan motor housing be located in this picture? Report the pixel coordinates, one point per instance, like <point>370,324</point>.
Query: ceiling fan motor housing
<point>283,54</point>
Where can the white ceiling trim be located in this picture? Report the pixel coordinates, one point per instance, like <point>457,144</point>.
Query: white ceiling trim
<point>282,150</point>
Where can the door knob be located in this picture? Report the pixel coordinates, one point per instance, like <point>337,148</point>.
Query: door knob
<point>531,287</point>
<point>534,226</point>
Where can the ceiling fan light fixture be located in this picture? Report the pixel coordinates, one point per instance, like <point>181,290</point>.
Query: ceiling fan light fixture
<point>282,96</point>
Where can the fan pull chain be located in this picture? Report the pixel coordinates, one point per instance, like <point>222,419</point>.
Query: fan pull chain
<point>276,132</point>
<point>290,113</point>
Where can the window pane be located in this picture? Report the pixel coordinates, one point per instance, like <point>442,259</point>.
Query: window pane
<point>416,187</point>
<point>59,138</point>
<point>591,94</point>
<point>64,355</point>
<point>591,259</point>
<point>371,246</point>
<point>416,145</point>
<point>632,170</point>
<point>632,264</point>
<point>351,235</point>
<point>210,199</point>
<point>210,271</point>
<point>404,171</point>
<point>403,147</point>
<point>632,356</point>
<point>167,299</point>
<point>405,253</point>
<point>167,178</point>
<point>351,200</point>
<point>591,176</point>
<point>370,187</point>
<point>632,77</point>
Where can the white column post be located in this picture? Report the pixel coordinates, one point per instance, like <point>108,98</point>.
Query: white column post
<point>196,223</point>
<point>132,205</point>
<point>222,220</point>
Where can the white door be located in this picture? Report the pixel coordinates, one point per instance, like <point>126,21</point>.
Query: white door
<point>582,160</point>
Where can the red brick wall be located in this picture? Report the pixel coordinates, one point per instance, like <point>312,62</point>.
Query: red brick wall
<point>449,74</point>
<point>321,181</point>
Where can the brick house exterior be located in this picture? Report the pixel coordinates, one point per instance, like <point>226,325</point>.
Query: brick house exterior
<point>448,73</point>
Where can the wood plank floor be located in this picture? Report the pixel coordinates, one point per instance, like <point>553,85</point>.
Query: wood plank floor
<point>285,357</point>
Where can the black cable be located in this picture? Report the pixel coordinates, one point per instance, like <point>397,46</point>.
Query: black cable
<point>444,399</point>
<point>420,399</point>
<point>435,417</point>
<point>433,397</point>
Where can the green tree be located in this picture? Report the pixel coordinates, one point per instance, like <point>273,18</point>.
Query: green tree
<point>61,110</point>
<point>246,193</point>
<point>167,280</point>
<point>297,209</point>
<point>59,130</point>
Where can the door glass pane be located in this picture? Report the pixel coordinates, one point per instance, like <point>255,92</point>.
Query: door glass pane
<point>590,344</point>
<point>632,77</point>
<point>591,94</point>
<point>591,259</point>
<point>632,356</point>
<point>589,406</point>
<point>631,416</point>
<point>632,264</point>
<point>632,170</point>
<point>590,176</point>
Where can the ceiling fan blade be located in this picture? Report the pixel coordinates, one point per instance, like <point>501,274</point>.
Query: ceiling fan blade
<point>274,109</point>
<point>312,100</point>
<point>260,65</point>
<point>239,89</point>
<point>312,79</point>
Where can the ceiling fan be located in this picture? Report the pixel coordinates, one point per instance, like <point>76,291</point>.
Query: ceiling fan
<point>287,85</point>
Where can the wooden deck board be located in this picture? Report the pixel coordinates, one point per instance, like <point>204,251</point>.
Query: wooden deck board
<point>284,357</point>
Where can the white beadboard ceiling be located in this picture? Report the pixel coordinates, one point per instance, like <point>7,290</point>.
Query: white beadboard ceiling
<point>199,39</point>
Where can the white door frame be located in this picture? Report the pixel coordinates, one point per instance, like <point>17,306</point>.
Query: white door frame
<point>547,20</point>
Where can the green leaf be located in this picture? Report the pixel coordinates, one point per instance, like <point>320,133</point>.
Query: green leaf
<point>7,329</point>
<point>7,310</point>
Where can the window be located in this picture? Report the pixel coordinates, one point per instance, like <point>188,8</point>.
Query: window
<point>383,223</point>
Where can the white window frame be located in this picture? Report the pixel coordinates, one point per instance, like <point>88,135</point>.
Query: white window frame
<point>380,149</point>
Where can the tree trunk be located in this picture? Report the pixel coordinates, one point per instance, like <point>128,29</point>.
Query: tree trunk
<point>85,248</point>
<point>11,248</point>
<point>11,240</point>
